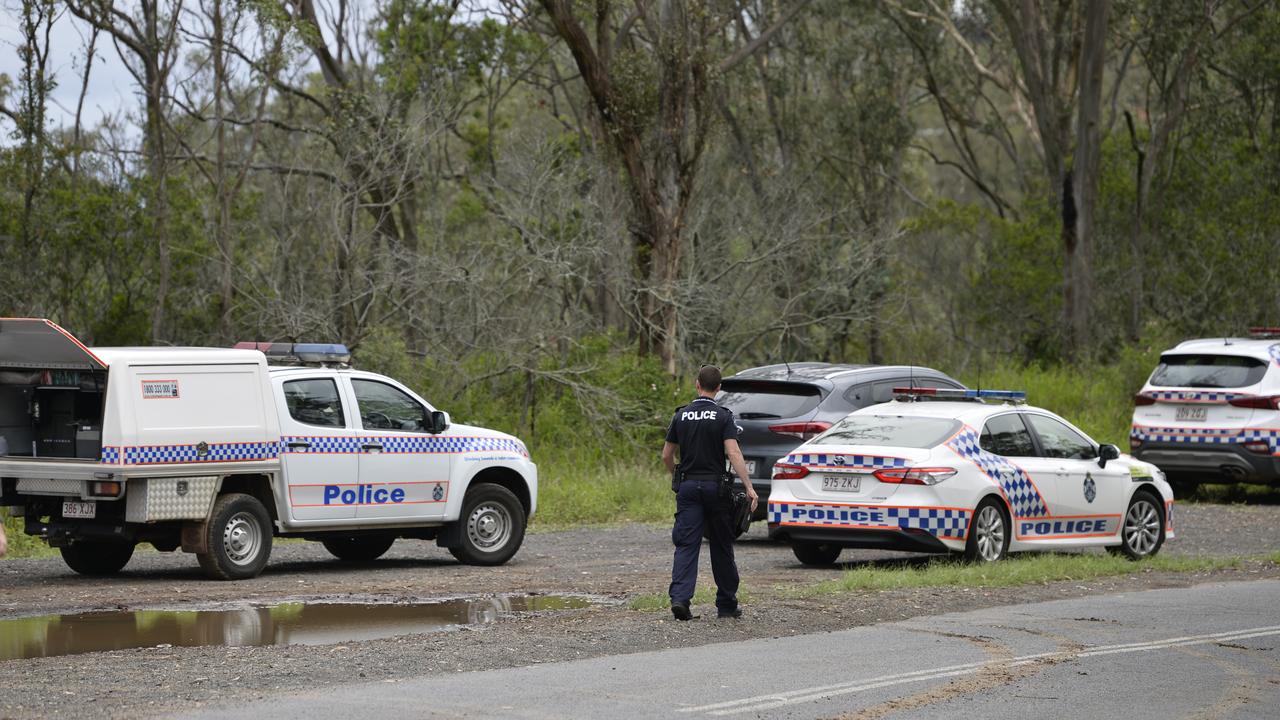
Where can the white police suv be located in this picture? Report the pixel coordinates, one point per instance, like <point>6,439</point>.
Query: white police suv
<point>1211,411</point>
<point>972,471</point>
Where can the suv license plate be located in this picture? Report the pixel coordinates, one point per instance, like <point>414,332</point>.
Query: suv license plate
<point>841,483</point>
<point>1192,414</point>
<point>83,510</point>
<point>751,468</point>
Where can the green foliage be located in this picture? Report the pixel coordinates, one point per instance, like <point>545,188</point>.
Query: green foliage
<point>22,545</point>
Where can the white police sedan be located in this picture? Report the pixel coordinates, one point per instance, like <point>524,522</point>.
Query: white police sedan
<point>972,471</point>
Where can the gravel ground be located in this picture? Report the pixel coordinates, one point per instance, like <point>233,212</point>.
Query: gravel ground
<point>617,563</point>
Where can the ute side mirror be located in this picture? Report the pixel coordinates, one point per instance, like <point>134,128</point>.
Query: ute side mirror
<point>1107,452</point>
<point>437,421</point>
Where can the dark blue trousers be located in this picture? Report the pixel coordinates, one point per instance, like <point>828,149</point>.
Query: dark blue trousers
<point>699,502</point>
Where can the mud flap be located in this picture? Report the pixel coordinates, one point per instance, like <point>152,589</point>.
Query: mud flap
<point>450,535</point>
<point>195,537</point>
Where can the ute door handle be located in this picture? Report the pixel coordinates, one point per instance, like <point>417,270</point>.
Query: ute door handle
<point>370,447</point>
<point>298,445</point>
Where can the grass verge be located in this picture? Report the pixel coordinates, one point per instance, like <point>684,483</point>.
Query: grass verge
<point>573,493</point>
<point>1020,570</point>
<point>22,545</point>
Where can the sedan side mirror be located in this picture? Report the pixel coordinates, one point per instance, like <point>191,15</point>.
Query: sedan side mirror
<point>437,422</point>
<point>1107,452</point>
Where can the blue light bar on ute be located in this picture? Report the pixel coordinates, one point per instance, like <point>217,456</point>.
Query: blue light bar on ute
<point>301,353</point>
<point>957,394</point>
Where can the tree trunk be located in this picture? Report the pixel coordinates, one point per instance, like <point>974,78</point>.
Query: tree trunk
<point>1085,172</point>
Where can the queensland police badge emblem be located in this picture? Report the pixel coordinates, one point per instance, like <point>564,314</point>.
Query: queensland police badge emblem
<point>438,493</point>
<point>202,450</point>
<point>1090,487</point>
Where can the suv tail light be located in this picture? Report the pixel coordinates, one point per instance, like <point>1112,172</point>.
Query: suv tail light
<point>1262,447</point>
<point>1141,399</point>
<point>1262,402</point>
<point>804,430</point>
<point>1135,443</point>
<point>915,476</point>
<point>787,471</point>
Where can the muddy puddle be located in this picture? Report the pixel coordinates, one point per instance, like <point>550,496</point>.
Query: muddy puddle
<point>298,623</point>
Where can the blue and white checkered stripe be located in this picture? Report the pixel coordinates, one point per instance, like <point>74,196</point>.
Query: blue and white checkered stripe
<point>216,452</point>
<point>1205,436</point>
<point>849,461</point>
<point>110,455</point>
<point>1022,494</point>
<point>1194,396</point>
<point>402,444</point>
<point>941,522</point>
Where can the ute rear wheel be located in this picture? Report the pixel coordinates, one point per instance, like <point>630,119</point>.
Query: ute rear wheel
<point>988,533</point>
<point>816,553</point>
<point>358,548</point>
<point>97,559</point>
<point>1142,531</point>
<point>238,538</point>
<point>491,526</point>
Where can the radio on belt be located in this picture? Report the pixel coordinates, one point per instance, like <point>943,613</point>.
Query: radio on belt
<point>218,451</point>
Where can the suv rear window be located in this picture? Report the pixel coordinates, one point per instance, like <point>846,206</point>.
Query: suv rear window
<point>1208,371</point>
<point>750,399</point>
<point>889,431</point>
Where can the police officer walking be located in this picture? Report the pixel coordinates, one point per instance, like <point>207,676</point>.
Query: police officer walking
<point>705,434</point>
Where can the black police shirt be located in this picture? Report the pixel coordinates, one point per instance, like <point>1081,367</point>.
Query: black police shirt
<point>700,429</point>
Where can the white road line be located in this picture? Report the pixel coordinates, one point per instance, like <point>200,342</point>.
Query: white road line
<point>789,697</point>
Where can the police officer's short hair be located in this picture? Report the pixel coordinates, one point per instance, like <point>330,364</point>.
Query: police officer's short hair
<point>709,377</point>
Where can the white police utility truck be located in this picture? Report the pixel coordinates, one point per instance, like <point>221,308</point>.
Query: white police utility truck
<point>216,451</point>
<point>1210,412</point>
<point>940,470</point>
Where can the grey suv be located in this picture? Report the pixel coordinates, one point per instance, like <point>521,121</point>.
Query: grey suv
<point>780,406</point>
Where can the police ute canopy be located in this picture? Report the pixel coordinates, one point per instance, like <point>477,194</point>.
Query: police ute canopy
<point>972,471</point>
<point>218,451</point>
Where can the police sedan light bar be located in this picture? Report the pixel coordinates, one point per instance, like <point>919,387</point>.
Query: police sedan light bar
<point>309,353</point>
<point>958,394</point>
<point>1264,333</point>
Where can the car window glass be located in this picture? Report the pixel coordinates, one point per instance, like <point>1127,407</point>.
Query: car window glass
<point>933,383</point>
<point>314,402</point>
<point>383,407</point>
<point>1208,371</point>
<point>882,392</point>
<point>762,399</point>
<point>1006,435</point>
<point>1059,441</point>
<point>889,431</point>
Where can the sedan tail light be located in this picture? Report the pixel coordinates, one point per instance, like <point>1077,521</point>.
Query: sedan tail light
<point>787,471</point>
<point>1262,402</point>
<point>1140,400</point>
<point>915,476</point>
<point>804,430</point>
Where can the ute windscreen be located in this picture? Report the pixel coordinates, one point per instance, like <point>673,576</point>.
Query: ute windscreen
<point>1208,371</point>
<point>763,399</point>
<point>889,431</point>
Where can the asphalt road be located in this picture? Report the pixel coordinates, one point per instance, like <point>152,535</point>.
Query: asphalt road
<point>1205,651</point>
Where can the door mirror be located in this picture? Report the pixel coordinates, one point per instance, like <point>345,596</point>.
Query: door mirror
<point>437,421</point>
<point>1107,452</point>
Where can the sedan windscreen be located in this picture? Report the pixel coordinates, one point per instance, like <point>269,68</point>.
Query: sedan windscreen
<point>750,399</point>
<point>1208,371</point>
<point>889,431</point>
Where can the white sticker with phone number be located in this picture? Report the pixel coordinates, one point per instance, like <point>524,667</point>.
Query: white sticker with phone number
<point>159,389</point>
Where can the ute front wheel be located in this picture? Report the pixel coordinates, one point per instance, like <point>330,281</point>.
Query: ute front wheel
<point>97,559</point>
<point>238,538</point>
<point>491,526</point>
